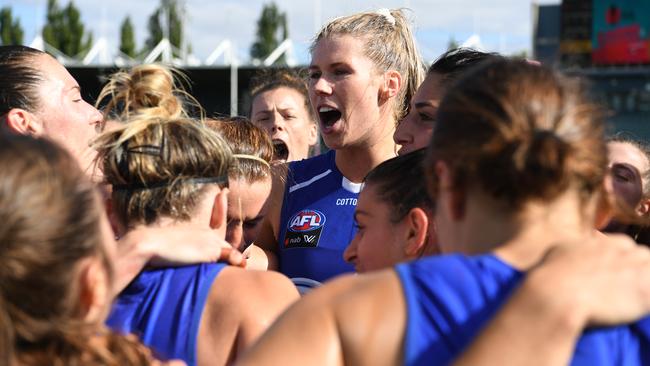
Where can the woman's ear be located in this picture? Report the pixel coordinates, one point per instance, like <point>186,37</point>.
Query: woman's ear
<point>643,209</point>
<point>22,122</point>
<point>417,230</point>
<point>218,219</point>
<point>391,86</point>
<point>313,134</point>
<point>94,290</point>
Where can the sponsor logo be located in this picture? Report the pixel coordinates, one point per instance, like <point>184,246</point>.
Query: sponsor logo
<point>346,201</point>
<point>306,220</point>
<point>304,229</point>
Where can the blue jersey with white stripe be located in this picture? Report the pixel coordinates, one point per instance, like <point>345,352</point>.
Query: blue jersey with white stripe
<point>163,307</point>
<point>317,219</point>
<point>450,298</point>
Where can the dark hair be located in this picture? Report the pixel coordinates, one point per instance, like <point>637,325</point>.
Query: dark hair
<point>453,63</point>
<point>271,79</point>
<point>20,78</point>
<point>251,147</point>
<point>50,216</point>
<point>401,184</point>
<point>519,132</point>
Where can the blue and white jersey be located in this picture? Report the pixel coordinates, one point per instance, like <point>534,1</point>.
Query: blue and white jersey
<point>317,219</point>
<point>450,298</point>
<point>163,306</point>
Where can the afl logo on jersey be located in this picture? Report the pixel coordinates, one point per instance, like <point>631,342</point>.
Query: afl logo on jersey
<point>306,220</point>
<point>304,229</point>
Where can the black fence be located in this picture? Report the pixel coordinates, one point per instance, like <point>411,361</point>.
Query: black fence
<point>209,85</point>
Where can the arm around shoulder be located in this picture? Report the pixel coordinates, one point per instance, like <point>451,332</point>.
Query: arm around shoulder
<point>351,320</point>
<point>543,320</point>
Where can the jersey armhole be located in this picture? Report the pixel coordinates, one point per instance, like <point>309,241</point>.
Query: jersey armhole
<point>201,298</point>
<point>403,272</point>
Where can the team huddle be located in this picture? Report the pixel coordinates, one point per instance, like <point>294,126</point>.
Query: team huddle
<point>471,212</point>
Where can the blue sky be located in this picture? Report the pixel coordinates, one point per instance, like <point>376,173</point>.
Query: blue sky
<point>503,25</point>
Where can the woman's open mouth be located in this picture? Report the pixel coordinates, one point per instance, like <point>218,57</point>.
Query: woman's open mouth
<point>280,150</point>
<point>328,117</point>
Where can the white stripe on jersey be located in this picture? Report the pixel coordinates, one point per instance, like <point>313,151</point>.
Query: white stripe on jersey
<point>312,180</point>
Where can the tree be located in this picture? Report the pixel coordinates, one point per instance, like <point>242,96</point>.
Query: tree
<point>64,30</point>
<point>127,38</point>
<point>166,21</point>
<point>271,31</point>
<point>452,44</point>
<point>11,33</point>
<point>521,54</point>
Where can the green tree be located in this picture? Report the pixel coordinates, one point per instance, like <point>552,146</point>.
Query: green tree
<point>452,44</point>
<point>521,54</point>
<point>166,20</point>
<point>127,38</point>
<point>271,31</point>
<point>65,31</point>
<point>10,30</point>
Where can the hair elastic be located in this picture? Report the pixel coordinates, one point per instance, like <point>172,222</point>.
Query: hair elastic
<point>386,14</point>
<point>199,180</point>
<point>252,157</point>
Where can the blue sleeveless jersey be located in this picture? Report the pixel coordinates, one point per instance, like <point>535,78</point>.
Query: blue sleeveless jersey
<point>164,306</point>
<point>317,219</point>
<point>450,298</point>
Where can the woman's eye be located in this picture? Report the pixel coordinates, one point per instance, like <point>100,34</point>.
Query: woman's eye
<point>622,177</point>
<point>314,75</point>
<point>426,117</point>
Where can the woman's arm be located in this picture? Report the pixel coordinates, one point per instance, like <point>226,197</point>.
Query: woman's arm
<point>351,320</point>
<point>169,247</point>
<point>240,307</point>
<point>602,282</point>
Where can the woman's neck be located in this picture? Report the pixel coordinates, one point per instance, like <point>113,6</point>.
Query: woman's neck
<point>522,239</point>
<point>200,215</point>
<point>356,161</point>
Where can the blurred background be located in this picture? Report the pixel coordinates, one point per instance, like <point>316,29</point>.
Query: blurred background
<point>221,44</point>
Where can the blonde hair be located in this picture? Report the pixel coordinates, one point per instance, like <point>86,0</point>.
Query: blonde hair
<point>159,167</point>
<point>146,91</point>
<point>389,44</point>
<point>251,146</point>
<point>159,160</point>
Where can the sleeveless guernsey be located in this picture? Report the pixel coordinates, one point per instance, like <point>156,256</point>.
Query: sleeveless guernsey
<point>450,298</point>
<point>163,307</point>
<point>317,220</point>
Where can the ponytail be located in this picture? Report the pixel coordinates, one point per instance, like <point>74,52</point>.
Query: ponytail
<point>147,91</point>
